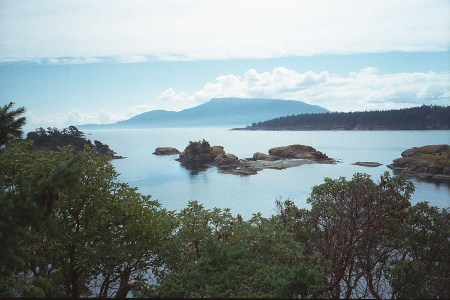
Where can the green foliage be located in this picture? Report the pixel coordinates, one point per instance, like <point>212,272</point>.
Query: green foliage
<point>223,256</point>
<point>11,123</point>
<point>200,147</point>
<point>354,226</point>
<point>30,183</point>
<point>91,240</point>
<point>370,242</point>
<point>53,139</point>
<point>423,271</point>
<point>68,228</point>
<point>418,118</point>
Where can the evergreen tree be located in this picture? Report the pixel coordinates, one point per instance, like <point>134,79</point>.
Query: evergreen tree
<point>11,123</point>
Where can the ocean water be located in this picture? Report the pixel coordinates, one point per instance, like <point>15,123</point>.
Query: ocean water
<point>173,185</point>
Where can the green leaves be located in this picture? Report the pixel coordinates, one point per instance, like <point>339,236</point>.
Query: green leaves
<point>96,234</point>
<point>219,255</point>
<point>11,123</point>
<point>423,270</point>
<point>68,228</point>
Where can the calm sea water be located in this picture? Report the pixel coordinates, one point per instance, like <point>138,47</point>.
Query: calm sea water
<point>166,180</point>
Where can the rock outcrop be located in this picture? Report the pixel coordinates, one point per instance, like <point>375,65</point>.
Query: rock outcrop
<point>263,156</point>
<point>371,164</point>
<point>300,152</point>
<point>427,162</point>
<point>166,151</point>
<point>200,154</point>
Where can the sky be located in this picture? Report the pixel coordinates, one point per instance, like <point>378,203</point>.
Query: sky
<point>76,62</point>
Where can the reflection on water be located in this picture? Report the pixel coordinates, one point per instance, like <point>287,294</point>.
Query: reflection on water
<point>174,185</point>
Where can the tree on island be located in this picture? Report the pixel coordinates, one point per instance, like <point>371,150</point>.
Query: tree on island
<point>53,139</point>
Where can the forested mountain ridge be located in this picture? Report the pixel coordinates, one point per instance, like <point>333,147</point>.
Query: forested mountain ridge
<point>425,117</point>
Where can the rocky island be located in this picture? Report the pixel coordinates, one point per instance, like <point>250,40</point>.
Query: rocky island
<point>427,162</point>
<point>166,151</point>
<point>371,164</point>
<point>200,155</point>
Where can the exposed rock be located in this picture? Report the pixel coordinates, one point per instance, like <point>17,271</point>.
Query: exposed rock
<point>367,164</point>
<point>408,153</point>
<point>292,151</point>
<point>217,150</point>
<point>226,160</point>
<point>300,151</point>
<point>104,150</point>
<point>200,155</point>
<point>166,151</point>
<point>428,162</point>
<point>280,164</point>
<point>263,156</point>
<point>242,167</point>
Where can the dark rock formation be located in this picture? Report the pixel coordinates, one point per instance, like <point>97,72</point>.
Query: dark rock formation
<point>427,162</point>
<point>300,151</point>
<point>367,164</point>
<point>200,155</point>
<point>241,167</point>
<point>263,156</point>
<point>166,151</point>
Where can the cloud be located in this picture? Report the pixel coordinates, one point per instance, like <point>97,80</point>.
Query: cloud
<point>125,31</point>
<point>77,117</point>
<point>362,90</point>
<point>365,89</point>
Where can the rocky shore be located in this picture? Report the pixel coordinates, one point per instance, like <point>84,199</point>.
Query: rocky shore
<point>427,162</point>
<point>200,154</point>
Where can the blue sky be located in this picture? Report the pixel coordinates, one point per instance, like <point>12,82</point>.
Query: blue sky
<point>74,62</point>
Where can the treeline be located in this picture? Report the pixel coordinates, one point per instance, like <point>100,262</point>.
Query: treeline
<point>69,228</point>
<point>54,139</point>
<point>425,117</point>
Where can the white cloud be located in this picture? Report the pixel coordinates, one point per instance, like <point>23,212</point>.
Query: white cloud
<point>216,29</point>
<point>76,117</point>
<point>363,90</point>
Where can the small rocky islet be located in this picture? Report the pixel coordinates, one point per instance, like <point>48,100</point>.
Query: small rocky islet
<point>198,155</point>
<point>166,151</point>
<point>371,164</point>
<point>430,162</point>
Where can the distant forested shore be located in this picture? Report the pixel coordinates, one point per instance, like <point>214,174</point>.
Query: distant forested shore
<point>425,117</point>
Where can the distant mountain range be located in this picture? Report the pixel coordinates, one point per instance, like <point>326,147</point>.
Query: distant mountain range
<point>216,112</point>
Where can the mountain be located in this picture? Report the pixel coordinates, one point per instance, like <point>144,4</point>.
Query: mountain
<point>217,112</point>
<point>414,118</point>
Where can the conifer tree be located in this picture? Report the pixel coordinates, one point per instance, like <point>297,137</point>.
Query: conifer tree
<point>11,123</point>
